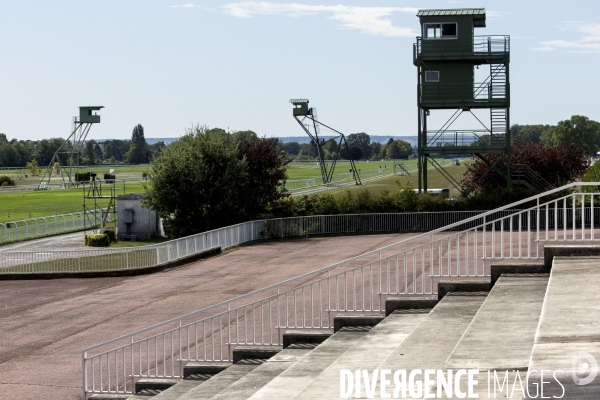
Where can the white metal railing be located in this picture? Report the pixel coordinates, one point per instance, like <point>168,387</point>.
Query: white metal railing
<point>154,255</point>
<point>362,283</point>
<point>33,228</point>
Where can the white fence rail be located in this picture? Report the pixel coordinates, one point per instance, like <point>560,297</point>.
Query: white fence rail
<point>411,267</point>
<point>154,255</point>
<point>33,228</point>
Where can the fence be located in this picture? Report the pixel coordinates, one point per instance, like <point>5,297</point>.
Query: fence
<point>154,255</point>
<point>32,228</point>
<point>411,267</point>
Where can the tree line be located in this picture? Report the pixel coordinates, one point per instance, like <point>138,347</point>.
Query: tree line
<point>17,153</point>
<point>360,148</point>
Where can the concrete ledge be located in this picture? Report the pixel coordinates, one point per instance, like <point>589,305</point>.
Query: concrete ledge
<point>315,336</point>
<point>408,303</point>
<point>514,268</point>
<point>155,384</point>
<point>104,274</point>
<point>580,250</point>
<point>109,396</point>
<point>340,321</point>
<point>193,368</point>
<point>255,352</point>
<point>447,286</point>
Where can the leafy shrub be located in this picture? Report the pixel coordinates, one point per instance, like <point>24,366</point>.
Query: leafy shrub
<point>6,181</point>
<point>82,177</point>
<point>112,235</point>
<point>109,177</point>
<point>97,240</point>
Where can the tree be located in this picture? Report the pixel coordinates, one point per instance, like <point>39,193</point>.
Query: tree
<point>291,148</point>
<point>351,153</point>
<point>579,131</point>
<point>557,165</point>
<point>32,166</point>
<point>245,135</point>
<point>396,149</point>
<point>265,173</point>
<point>138,152</point>
<point>362,141</point>
<point>376,150</point>
<point>196,182</point>
<point>89,152</point>
<point>208,179</point>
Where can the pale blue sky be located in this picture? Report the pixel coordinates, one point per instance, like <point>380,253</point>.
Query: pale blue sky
<point>169,64</point>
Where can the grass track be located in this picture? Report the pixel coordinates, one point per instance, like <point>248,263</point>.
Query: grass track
<point>48,202</point>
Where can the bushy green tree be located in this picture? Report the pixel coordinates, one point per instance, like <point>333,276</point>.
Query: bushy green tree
<point>196,181</point>
<point>579,131</point>
<point>138,152</point>
<point>208,179</point>
<point>362,141</point>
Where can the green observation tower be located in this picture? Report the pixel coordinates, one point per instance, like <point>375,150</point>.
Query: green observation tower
<point>461,73</point>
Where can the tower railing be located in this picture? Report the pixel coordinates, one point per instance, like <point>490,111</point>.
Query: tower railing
<point>361,284</point>
<point>462,46</point>
<point>462,92</point>
<point>462,138</point>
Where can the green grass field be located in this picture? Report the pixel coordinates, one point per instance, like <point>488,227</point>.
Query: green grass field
<point>310,169</point>
<point>391,183</point>
<point>50,202</point>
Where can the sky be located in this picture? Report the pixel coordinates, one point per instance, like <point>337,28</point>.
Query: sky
<point>170,65</point>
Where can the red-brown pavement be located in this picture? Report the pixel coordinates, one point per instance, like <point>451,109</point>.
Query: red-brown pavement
<point>44,324</point>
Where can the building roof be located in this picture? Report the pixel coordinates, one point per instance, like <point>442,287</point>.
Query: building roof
<point>477,13</point>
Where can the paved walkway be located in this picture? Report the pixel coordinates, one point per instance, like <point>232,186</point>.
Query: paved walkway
<point>45,324</point>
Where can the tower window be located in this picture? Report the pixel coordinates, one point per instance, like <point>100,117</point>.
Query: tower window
<point>432,76</point>
<point>446,30</point>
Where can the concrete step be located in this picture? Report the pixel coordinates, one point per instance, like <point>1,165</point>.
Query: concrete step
<point>431,342</point>
<point>301,373</point>
<point>502,333</point>
<point>183,386</point>
<point>249,384</point>
<point>222,380</point>
<point>568,334</point>
<point>366,353</point>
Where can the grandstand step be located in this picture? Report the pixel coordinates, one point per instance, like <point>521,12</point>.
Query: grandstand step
<point>502,333</point>
<point>356,320</point>
<point>150,384</point>
<point>304,336</point>
<point>367,353</point>
<point>462,285</point>
<point>195,377</point>
<point>567,335</point>
<point>221,381</point>
<point>300,374</point>
<point>247,385</point>
<point>430,344</point>
<point>254,353</point>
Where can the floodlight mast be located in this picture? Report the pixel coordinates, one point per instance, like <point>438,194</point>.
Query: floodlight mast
<point>73,145</point>
<point>302,110</point>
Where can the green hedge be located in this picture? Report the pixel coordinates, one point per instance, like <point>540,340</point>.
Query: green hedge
<point>97,240</point>
<point>112,236</point>
<point>108,177</point>
<point>82,177</point>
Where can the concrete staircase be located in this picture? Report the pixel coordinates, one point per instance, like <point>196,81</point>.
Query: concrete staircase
<point>529,318</point>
